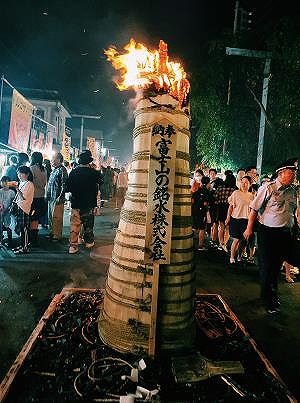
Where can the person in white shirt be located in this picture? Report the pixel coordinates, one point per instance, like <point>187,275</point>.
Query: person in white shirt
<point>237,215</point>
<point>24,198</point>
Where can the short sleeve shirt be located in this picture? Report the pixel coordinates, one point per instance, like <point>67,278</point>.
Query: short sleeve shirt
<point>240,202</point>
<point>25,202</point>
<point>275,204</point>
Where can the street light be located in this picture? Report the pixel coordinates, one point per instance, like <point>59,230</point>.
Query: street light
<point>263,105</point>
<point>82,123</point>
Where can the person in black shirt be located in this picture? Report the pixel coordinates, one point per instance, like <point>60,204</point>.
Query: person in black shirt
<point>83,184</point>
<point>201,200</point>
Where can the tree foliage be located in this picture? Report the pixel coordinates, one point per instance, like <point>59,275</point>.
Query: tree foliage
<point>226,94</point>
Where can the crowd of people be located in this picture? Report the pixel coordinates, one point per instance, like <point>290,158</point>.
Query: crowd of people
<point>247,216</point>
<point>220,207</point>
<point>35,192</point>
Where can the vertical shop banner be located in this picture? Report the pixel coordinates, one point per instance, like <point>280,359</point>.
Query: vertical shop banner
<point>41,136</point>
<point>91,145</point>
<point>20,122</point>
<point>98,154</point>
<point>66,147</point>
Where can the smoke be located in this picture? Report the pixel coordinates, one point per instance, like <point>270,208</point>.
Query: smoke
<point>132,103</point>
<point>79,279</point>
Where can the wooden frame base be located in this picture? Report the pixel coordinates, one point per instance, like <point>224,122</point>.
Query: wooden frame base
<point>28,346</point>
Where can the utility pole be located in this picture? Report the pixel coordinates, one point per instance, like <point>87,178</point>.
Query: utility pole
<point>263,107</point>
<point>82,125</point>
<point>242,18</point>
<point>236,13</point>
<point>260,147</point>
<point>1,96</point>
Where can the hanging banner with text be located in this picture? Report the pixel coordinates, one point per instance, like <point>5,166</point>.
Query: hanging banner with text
<point>160,193</point>
<point>41,137</point>
<point>66,147</point>
<point>91,145</point>
<point>20,122</point>
<point>98,153</point>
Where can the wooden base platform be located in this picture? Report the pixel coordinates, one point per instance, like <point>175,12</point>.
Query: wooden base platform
<point>220,336</point>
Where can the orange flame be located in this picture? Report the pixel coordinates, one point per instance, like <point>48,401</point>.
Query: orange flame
<point>140,68</point>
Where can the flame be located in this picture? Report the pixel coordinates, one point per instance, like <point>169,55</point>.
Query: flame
<point>140,68</point>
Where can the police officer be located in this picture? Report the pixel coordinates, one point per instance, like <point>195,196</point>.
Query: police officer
<point>274,208</point>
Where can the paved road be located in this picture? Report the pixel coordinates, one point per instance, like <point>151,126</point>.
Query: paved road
<point>29,282</point>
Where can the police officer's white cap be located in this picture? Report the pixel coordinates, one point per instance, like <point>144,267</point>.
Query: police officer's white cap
<point>291,163</point>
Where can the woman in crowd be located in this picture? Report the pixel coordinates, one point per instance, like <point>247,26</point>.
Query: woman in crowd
<point>201,200</point>
<point>196,181</point>
<point>239,175</point>
<point>237,215</point>
<point>38,207</point>
<point>221,196</point>
<point>24,198</point>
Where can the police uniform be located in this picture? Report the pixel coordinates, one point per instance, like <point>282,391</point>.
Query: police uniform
<point>275,205</point>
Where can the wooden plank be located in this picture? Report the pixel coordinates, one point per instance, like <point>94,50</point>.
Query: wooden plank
<point>264,359</point>
<point>68,290</point>
<point>153,319</point>
<point>12,372</point>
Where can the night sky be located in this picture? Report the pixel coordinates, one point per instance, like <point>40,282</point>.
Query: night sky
<point>59,45</point>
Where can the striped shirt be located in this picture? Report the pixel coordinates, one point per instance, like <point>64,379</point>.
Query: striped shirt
<point>56,188</point>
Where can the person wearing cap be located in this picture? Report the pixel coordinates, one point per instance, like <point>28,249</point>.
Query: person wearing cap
<point>274,209</point>
<point>83,184</point>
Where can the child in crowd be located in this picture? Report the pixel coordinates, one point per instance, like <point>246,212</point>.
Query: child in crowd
<point>24,198</point>
<point>7,195</point>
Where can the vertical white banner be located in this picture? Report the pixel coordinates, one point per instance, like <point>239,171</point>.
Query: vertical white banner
<point>160,192</point>
<point>91,145</point>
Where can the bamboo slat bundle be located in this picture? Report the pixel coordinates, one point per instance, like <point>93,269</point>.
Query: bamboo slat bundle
<point>126,314</point>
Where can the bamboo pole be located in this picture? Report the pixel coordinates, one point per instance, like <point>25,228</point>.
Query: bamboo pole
<point>153,320</point>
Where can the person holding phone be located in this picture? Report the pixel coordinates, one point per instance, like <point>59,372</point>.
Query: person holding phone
<point>24,198</point>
